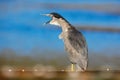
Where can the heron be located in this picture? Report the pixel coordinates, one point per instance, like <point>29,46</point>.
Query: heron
<point>74,42</point>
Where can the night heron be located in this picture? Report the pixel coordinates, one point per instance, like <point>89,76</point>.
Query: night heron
<point>75,43</point>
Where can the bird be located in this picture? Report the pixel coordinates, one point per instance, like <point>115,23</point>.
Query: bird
<point>74,42</point>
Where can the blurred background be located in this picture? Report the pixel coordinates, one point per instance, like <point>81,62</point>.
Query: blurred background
<point>26,42</point>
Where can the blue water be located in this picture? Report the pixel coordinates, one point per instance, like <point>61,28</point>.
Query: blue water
<point>43,38</point>
<point>22,29</point>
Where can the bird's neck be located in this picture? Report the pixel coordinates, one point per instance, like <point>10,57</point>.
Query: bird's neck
<point>65,26</point>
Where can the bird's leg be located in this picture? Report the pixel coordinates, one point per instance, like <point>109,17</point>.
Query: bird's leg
<point>72,67</point>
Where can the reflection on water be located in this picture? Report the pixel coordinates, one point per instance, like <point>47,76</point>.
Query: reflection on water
<point>25,40</point>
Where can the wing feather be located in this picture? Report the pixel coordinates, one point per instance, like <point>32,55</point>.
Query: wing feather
<point>78,42</point>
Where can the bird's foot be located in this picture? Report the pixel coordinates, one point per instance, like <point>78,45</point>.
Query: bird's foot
<point>72,67</point>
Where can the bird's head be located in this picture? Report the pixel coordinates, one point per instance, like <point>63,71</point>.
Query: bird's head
<point>55,19</point>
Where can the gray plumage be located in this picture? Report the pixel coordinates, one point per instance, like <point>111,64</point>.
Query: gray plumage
<point>75,43</point>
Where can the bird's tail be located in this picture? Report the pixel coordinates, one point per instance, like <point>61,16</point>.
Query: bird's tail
<point>81,67</point>
<point>78,68</point>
